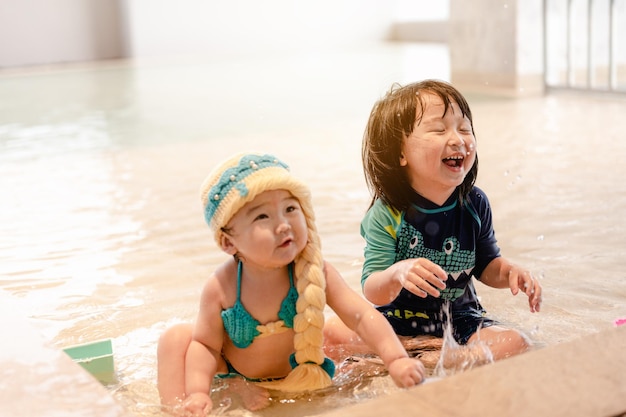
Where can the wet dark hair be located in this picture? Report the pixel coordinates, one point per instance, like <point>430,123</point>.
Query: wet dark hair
<point>391,120</point>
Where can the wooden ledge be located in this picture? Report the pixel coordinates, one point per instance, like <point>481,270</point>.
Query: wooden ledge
<point>581,378</point>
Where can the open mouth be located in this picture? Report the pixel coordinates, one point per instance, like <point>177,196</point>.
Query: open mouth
<point>286,242</point>
<point>454,161</point>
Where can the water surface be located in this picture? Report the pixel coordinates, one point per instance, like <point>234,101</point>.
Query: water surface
<point>102,234</point>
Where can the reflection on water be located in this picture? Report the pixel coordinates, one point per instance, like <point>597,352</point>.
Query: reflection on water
<point>102,234</point>
<point>61,223</point>
<point>352,384</point>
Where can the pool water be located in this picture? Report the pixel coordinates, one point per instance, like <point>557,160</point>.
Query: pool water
<point>102,234</point>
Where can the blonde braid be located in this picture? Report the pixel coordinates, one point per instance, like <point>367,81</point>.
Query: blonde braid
<point>308,323</point>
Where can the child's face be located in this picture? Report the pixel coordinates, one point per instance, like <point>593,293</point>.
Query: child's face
<point>269,230</point>
<point>440,151</point>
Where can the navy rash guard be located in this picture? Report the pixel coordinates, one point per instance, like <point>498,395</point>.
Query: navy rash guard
<point>458,237</point>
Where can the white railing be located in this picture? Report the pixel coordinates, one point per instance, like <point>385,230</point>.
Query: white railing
<point>585,45</point>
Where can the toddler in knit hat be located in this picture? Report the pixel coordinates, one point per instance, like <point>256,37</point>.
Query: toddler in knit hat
<point>261,315</point>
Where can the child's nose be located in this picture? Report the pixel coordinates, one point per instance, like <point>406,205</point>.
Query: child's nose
<point>456,140</point>
<point>283,226</point>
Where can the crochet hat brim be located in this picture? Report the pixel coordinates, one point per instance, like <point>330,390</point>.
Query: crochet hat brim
<point>240,180</point>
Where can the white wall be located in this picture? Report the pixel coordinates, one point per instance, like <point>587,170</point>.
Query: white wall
<point>529,37</point>
<point>497,44</point>
<point>235,27</point>
<point>421,10</point>
<point>421,21</point>
<point>49,31</point>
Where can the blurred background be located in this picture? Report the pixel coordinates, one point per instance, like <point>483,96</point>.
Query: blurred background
<point>510,44</point>
<point>113,111</point>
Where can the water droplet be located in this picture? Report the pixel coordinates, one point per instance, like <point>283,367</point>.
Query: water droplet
<point>534,330</point>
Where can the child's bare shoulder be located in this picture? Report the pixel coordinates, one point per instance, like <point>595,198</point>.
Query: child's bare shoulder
<point>222,285</point>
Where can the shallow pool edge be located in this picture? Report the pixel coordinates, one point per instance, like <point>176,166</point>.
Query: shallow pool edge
<point>582,377</point>
<point>37,379</point>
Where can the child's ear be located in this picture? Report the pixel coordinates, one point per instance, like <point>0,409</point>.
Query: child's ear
<point>402,160</point>
<point>227,244</point>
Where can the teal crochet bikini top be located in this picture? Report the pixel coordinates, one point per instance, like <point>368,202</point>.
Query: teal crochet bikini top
<point>242,328</point>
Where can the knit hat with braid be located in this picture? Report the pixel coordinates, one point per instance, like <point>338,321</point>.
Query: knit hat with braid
<point>224,192</point>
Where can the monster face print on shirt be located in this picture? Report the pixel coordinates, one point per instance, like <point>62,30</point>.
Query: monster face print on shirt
<point>457,235</point>
<point>457,262</point>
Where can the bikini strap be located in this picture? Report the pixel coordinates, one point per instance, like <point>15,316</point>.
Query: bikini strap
<point>290,268</point>
<point>239,269</point>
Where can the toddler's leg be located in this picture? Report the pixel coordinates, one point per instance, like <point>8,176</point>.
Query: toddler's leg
<point>502,342</point>
<point>487,345</point>
<point>254,397</point>
<point>340,341</point>
<point>171,352</point>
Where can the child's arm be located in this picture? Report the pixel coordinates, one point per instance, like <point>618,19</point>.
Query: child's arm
<point>419,276</point>
<point>373,328</point>
<point>500,273</point>
<point>204,351</point>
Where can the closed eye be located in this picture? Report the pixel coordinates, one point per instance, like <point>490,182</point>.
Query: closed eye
<point>435,126</point>
<point>465,127</point>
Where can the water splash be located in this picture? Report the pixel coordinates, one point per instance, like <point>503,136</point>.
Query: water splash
<point>455,358</point>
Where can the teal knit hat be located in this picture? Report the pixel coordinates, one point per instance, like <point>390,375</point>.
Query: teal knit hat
<point>240,179</point>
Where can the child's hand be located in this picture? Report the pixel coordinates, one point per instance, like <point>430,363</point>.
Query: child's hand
<point>521,279</point>
<point>422,277</point>
<point>198,404</point>
<point>406,372</point>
